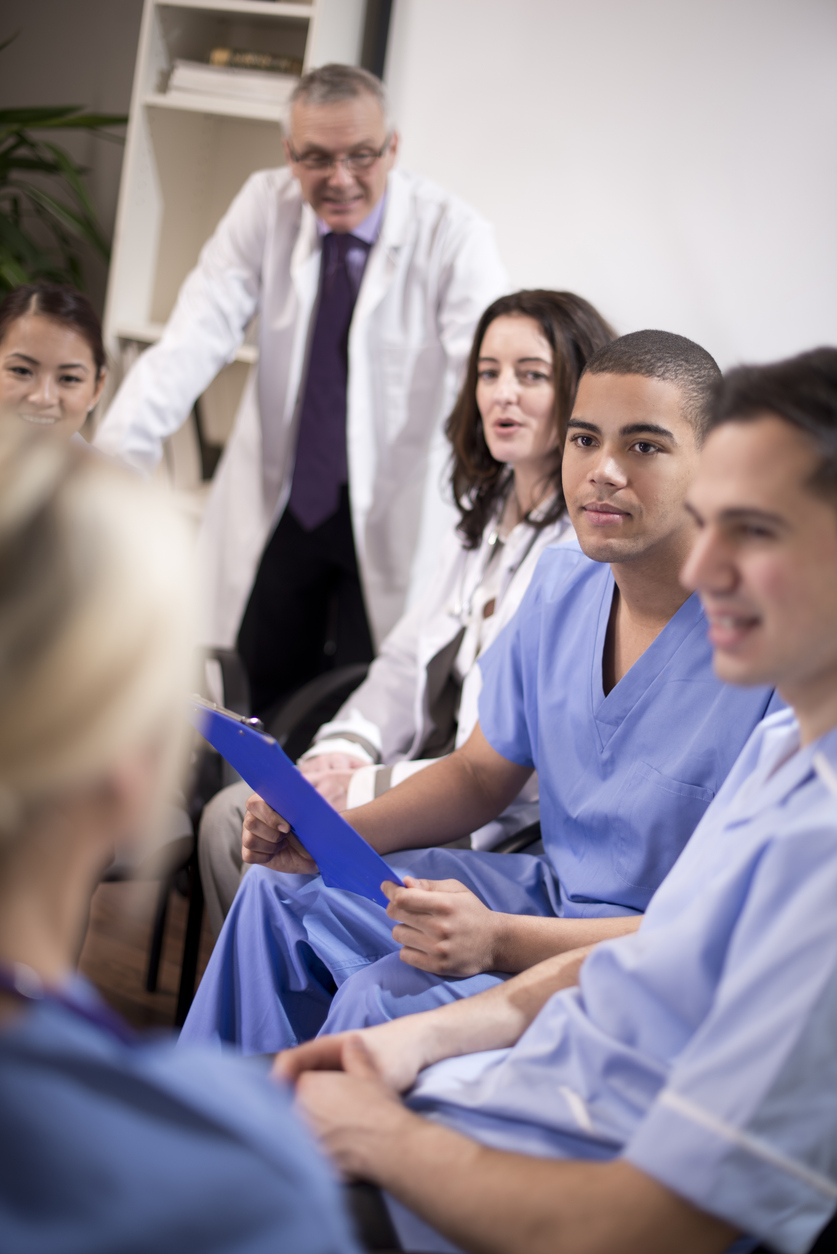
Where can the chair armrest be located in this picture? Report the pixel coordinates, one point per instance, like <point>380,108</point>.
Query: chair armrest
<point>519,841</point>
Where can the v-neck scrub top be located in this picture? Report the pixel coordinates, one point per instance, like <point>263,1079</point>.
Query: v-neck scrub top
<point>624,778</point>
<point>624,781</point>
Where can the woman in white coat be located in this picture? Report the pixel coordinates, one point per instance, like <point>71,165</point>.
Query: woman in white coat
<point>419,700</point>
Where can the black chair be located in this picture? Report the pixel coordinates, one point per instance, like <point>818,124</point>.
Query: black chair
<point>295,720</point>
<point>293,724</point>
<point>520,841</point>
<point>179,864</point>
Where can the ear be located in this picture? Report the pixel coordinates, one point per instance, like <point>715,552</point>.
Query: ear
<point>393,147</point>
<point>99,386</point>
<point>286,148</point>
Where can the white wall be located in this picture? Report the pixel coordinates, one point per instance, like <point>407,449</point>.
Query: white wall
<point>675,161</point>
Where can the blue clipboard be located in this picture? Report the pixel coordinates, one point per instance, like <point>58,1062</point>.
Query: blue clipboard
<point>344,858</point>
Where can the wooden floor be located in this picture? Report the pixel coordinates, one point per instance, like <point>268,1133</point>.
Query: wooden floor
<point>115,953</point>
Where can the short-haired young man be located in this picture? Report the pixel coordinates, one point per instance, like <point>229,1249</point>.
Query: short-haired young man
<point>686,1091</point>
<point>603,682</point>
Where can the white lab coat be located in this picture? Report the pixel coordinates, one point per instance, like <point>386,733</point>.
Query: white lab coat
<point>386,720</point>
<point>431,272</point>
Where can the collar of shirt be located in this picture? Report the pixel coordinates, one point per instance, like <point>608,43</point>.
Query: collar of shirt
<point>367,230</point>
<point>784,765</point>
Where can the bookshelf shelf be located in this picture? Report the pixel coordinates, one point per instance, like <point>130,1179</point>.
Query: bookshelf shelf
<point>222,106</point>
<point>185,160</point>
<point>266,8</point>
<point>150,333</point>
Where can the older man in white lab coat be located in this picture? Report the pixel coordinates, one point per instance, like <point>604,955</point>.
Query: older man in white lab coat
<point>327,509</point>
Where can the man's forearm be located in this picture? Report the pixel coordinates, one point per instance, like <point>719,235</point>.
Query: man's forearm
<point>492,1202</point>
<point>495,1019</point>
<point>448,800</point>
<point>524,940</point>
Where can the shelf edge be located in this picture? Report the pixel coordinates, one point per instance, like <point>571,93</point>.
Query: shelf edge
<point>150,333</point>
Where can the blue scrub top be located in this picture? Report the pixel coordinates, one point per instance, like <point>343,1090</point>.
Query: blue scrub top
<point>110,1146</point>
<point>624,779</point>
<point>704,1047</point>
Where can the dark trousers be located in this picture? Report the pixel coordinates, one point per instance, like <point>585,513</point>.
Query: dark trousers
<point>306,612</point>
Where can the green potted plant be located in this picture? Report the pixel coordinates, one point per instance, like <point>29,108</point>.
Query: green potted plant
<point>45,207</point>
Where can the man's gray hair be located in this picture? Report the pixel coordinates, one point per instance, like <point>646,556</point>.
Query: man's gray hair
<point>331,84</point>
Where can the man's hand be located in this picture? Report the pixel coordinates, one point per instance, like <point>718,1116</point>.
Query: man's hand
<point>266,840</point>
<point>331,774</point>
<point>442,926</point>
<point>353,1112</point>
<point>398,1050</point>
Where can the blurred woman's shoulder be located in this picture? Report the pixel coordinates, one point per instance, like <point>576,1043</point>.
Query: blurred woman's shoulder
<point>149,1147</point>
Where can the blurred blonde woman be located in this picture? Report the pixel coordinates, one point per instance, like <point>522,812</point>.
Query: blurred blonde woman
<point>110,1142</point>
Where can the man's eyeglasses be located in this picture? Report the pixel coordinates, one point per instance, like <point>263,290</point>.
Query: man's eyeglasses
<point>355,162</point>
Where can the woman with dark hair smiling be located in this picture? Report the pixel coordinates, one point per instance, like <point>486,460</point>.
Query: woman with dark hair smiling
<point>52,359</point>
<point>419,700</point>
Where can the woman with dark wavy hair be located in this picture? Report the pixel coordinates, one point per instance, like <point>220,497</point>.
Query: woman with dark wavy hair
<point>570,331</point>
<point>419,700</point>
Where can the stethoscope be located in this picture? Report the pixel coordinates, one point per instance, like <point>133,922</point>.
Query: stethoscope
<point>21,981</point>
<point>494,545</point>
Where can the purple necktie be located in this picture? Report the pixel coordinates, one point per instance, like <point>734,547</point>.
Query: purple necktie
<point>321,466</point>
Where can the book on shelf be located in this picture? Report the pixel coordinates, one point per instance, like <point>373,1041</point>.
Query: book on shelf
<point>237,58</point>
<point>189,78</point>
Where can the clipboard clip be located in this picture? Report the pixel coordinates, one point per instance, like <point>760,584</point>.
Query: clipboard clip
<point>255,724</point>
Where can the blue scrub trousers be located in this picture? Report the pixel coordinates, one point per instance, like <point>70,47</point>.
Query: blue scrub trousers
<point>289,943</point>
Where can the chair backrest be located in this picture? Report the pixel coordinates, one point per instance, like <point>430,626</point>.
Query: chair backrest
<point>296,721</point>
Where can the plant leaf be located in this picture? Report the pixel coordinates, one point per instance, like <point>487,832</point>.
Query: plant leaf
<point>16,241</point>
<point>28,163</point>
<point>67,219</point>
<point>72,173</point>
<point>11,271</point>
<point>37,113</point>
<point>87,121</point>
<point>25,257</point>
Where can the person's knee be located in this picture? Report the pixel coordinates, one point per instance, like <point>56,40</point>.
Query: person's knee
<point>221,822</point>
<point>219,850</point>
<point>384,990</point>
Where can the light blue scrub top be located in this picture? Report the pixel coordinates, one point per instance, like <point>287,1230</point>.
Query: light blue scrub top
<point>625,778</point>
<point>704,1047</point>
<point>111,1146</point>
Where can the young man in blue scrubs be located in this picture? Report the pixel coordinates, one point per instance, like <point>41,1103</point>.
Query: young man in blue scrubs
<point>686,1091</point>
<point>603,683</point>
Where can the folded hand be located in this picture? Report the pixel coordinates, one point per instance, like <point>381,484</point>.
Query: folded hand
<point>397,1050</point>
<point>353,1111</point>
<point>331,774</point>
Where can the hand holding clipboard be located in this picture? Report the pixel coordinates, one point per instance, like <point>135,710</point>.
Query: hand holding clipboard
<point>343,857</point>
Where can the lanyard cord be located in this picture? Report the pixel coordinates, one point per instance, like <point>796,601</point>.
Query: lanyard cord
<point>22,982</point>
<point>495,544</point>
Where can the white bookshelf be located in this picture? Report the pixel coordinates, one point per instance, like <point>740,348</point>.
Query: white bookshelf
<point>185,160</point>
